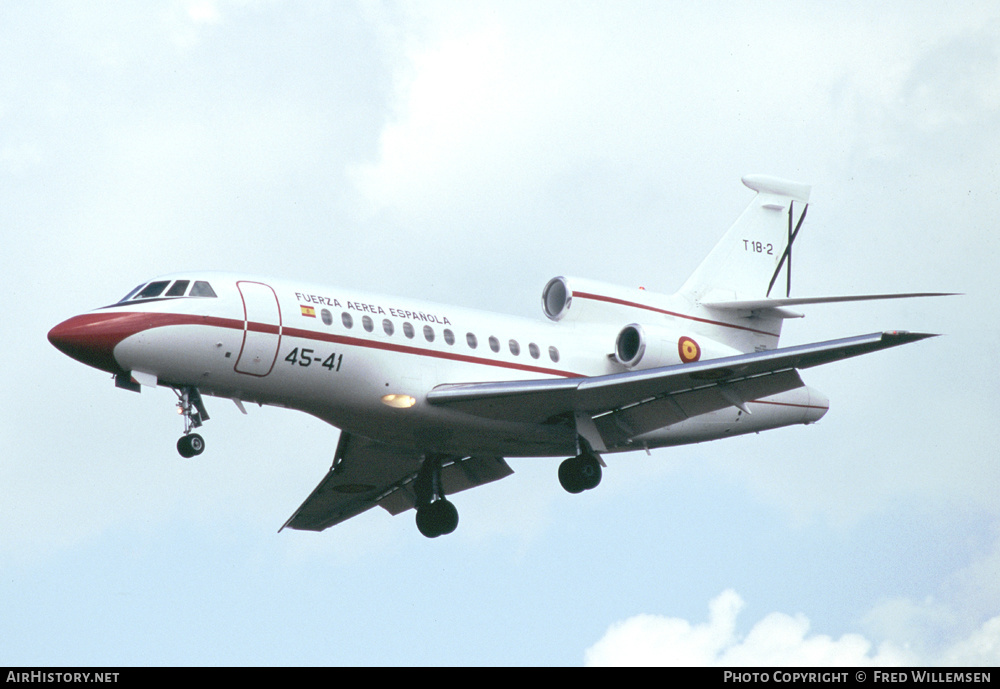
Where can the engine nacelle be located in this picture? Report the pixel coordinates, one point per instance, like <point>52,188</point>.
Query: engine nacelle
<point>582,300</point>
<point>653,346</point>
<point>556,298</point>
<point>630,345</point>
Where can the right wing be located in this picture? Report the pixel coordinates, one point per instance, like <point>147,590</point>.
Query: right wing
<point>366,473</point>
<point>635,402</point>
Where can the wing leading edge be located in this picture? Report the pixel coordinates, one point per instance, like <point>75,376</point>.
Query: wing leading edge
<point>653,398</point>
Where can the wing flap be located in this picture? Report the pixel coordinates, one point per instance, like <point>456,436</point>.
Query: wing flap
<point>545,399</point>
<point>456,476</point>
<point>363,473</point>
<point>366,473</point>
<point>617,427</point>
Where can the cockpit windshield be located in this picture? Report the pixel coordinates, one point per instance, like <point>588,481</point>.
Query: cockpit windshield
<point>158,289</point>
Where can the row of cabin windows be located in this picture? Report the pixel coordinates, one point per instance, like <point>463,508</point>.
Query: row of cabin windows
<point>429,334</point>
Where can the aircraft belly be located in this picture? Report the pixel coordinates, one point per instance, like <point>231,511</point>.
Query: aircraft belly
<point>425,428</point>
<point>802,405</point>
<point>344,385</point>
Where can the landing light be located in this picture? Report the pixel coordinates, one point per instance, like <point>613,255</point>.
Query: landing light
<point>398,401</point>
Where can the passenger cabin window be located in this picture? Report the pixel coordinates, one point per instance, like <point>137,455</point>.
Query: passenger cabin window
<point>428,333</point>
<point>387,326</point>
<point>449,336</point>
<point>494,344</point>
<point>471,339</point>
<point>408,329</point>
<point>554,354</point>
<point>533,350</point>
<point>367,324</point>
<point>346,319</point>
<point>515,348</point>
<point>326,316</point>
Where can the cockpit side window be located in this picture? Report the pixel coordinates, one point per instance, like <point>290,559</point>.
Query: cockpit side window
<point>153,289</point>
<point>202,289</point>
<point>132,293</point>
<point>178,288</point>
<point>158,290</point>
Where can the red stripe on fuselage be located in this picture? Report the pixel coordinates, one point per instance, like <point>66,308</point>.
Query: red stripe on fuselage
<point>91,338</point>
<point>623,302</point>
<point>789,404</point>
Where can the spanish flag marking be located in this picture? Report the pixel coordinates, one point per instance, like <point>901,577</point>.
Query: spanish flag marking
<point>308,311</point>
<point>688,350</point>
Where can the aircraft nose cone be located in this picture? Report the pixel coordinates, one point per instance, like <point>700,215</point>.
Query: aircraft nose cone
<point>90,338</point>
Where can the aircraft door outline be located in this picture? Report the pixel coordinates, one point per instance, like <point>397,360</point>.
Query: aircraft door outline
<point>262,327</point>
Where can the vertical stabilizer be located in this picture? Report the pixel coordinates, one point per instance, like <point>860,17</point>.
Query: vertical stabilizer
<point>746,262</point>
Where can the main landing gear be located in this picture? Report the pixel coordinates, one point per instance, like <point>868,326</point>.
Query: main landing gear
<point>191,407</point>
<point>435,515</point>
<point>581,473</point>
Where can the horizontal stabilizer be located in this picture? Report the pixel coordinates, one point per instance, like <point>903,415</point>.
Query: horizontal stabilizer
<point>758,304</point>
<point>765,184</point>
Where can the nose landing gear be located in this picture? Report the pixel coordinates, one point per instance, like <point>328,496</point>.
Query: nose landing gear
<point>191,407</point>
<point>190,445</point>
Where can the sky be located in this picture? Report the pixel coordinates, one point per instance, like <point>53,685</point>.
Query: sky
<point>465,153</point>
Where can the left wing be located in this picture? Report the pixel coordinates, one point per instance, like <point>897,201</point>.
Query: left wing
<point>366,473</point>
<point>653,398</point>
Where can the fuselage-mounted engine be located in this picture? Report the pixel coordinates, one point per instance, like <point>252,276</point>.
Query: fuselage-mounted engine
<point>644,346</point>
<point>630,345</point>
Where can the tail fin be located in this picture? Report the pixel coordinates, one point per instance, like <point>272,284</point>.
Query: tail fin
<point>746,262</point>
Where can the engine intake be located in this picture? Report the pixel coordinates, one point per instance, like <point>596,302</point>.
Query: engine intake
<point>630,345</point>
<point>556,298</point>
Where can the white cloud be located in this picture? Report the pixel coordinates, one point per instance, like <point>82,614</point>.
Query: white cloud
<point>506,97</point>
<point>778,639</point>
<point>958,627</point>
<point>982,647</point>
<point>655,640</point>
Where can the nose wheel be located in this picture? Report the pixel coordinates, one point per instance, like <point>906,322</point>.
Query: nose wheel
<point>190,445</point>
<point>191,407</point>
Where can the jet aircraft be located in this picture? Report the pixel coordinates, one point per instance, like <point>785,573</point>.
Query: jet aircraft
<point>431,398</point>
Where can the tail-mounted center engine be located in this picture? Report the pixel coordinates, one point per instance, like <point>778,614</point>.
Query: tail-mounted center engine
<point>556,298</point>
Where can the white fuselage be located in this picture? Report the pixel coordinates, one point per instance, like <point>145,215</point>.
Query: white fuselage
<point>337,354</point>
